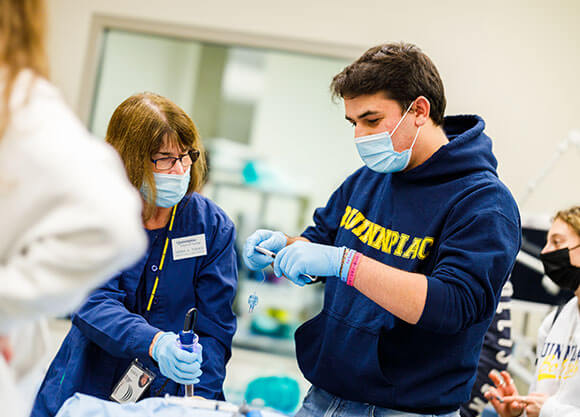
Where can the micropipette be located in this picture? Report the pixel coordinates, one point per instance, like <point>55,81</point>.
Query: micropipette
<point>189,340</point>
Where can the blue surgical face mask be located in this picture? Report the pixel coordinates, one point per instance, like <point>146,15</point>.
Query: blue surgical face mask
<point>378,154</point>
<point>170,188</point>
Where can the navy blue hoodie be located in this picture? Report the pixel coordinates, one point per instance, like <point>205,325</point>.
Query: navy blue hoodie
<point>451,219</point>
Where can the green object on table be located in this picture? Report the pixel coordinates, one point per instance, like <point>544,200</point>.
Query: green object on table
<point>281,393</point>
<point>267,325</point>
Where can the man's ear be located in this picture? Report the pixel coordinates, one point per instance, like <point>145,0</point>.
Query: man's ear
<point>421,108</point>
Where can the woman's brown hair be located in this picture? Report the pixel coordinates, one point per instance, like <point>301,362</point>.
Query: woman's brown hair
<point>22,32</point>
<point>137,130</point>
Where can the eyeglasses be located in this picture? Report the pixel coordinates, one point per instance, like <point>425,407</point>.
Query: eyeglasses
<point>168,162</point>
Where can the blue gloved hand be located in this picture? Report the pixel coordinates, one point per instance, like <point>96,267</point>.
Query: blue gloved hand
<point>174,363</point>
<point>309,258</point>
<point>273,241</point>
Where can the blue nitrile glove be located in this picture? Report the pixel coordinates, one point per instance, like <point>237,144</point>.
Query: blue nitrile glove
<point>175,363</point>
<point>273,241</point>
<point>308,258</point>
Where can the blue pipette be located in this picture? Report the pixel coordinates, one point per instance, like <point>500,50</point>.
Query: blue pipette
<point>188,340</point>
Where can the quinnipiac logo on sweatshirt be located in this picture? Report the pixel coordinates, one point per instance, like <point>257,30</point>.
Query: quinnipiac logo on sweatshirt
<point>384,239</point>
<point>558,361</point>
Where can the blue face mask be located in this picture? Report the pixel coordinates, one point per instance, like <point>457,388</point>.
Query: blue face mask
<point>378,154</point>
<point>170,188</point>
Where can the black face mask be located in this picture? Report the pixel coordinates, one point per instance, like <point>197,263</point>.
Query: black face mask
<point>559,269</point>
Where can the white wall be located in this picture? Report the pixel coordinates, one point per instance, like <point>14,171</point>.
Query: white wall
<point>515,63</point>
<point>134,63</point>
<point>324,153</point>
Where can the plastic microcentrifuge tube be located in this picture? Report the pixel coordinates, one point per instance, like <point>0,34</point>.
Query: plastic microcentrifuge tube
<point>252,302</point>
<point>253,297</point>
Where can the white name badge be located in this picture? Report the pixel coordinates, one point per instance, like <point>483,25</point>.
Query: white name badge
<point>188,247</point>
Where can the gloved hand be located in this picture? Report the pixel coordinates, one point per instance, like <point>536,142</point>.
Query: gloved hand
<point>308,258</point>
<point>273,241</point>
<point>174,363</point>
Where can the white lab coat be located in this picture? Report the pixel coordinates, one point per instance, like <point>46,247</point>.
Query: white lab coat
<point>69,219</point>
<point>557,369</point>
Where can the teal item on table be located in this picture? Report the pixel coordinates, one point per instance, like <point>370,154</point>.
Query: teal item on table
<point>270,326</point>
<point>265,325</point>
<point>251,173</point>
<point>281,393</point>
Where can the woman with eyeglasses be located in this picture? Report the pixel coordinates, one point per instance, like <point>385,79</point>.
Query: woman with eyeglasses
<point>190,262</point>
<point>556,385</point>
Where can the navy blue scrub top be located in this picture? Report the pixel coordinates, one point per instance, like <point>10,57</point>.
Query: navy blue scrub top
<point>112,327</point>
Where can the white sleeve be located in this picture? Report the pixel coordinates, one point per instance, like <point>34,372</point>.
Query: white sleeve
<point>545,329</point>
<point>552,408</point>
<point>78,240</point>
<point>564,402</point>
<point>76,220</point>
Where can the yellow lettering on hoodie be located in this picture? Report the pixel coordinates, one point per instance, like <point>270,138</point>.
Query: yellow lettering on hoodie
<point>413,248</point>
<point>378,241</point>
<point>354,220</point>
<point>383,239</point>
<point>402,241</point>
<point>423,252</point>
<point>365,224</point>
<point>370,233</point>
<point>391,239</point>
<point>345,215</point>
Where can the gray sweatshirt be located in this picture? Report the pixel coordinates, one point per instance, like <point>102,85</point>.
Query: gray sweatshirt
<point>557,362</point>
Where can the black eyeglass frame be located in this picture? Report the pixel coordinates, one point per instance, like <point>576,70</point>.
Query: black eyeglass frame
<point>193,154</point>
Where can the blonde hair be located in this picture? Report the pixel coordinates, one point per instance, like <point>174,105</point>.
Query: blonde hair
<point>22,32</point>
<point>571,216</point>
<point>137,130</point>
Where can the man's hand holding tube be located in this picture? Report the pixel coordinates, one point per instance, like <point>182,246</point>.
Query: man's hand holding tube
<point>306,258</point>
<point>294,260</point>
<point>267,239</point>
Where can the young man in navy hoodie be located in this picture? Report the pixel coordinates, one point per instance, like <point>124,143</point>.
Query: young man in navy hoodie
<point>416,247</point>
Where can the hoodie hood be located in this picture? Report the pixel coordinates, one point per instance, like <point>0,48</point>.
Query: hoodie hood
<point>469,150</point>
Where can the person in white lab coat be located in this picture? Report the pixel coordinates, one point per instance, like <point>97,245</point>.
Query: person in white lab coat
<point>69,218</point>
<point>556,386</point>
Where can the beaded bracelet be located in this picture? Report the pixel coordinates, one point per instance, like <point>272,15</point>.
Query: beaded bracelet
<point>342,260</point>
<point>352,269</point>
<point>347,258</point>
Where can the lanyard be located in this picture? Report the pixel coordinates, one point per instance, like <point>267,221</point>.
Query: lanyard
<point>162,260</point>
